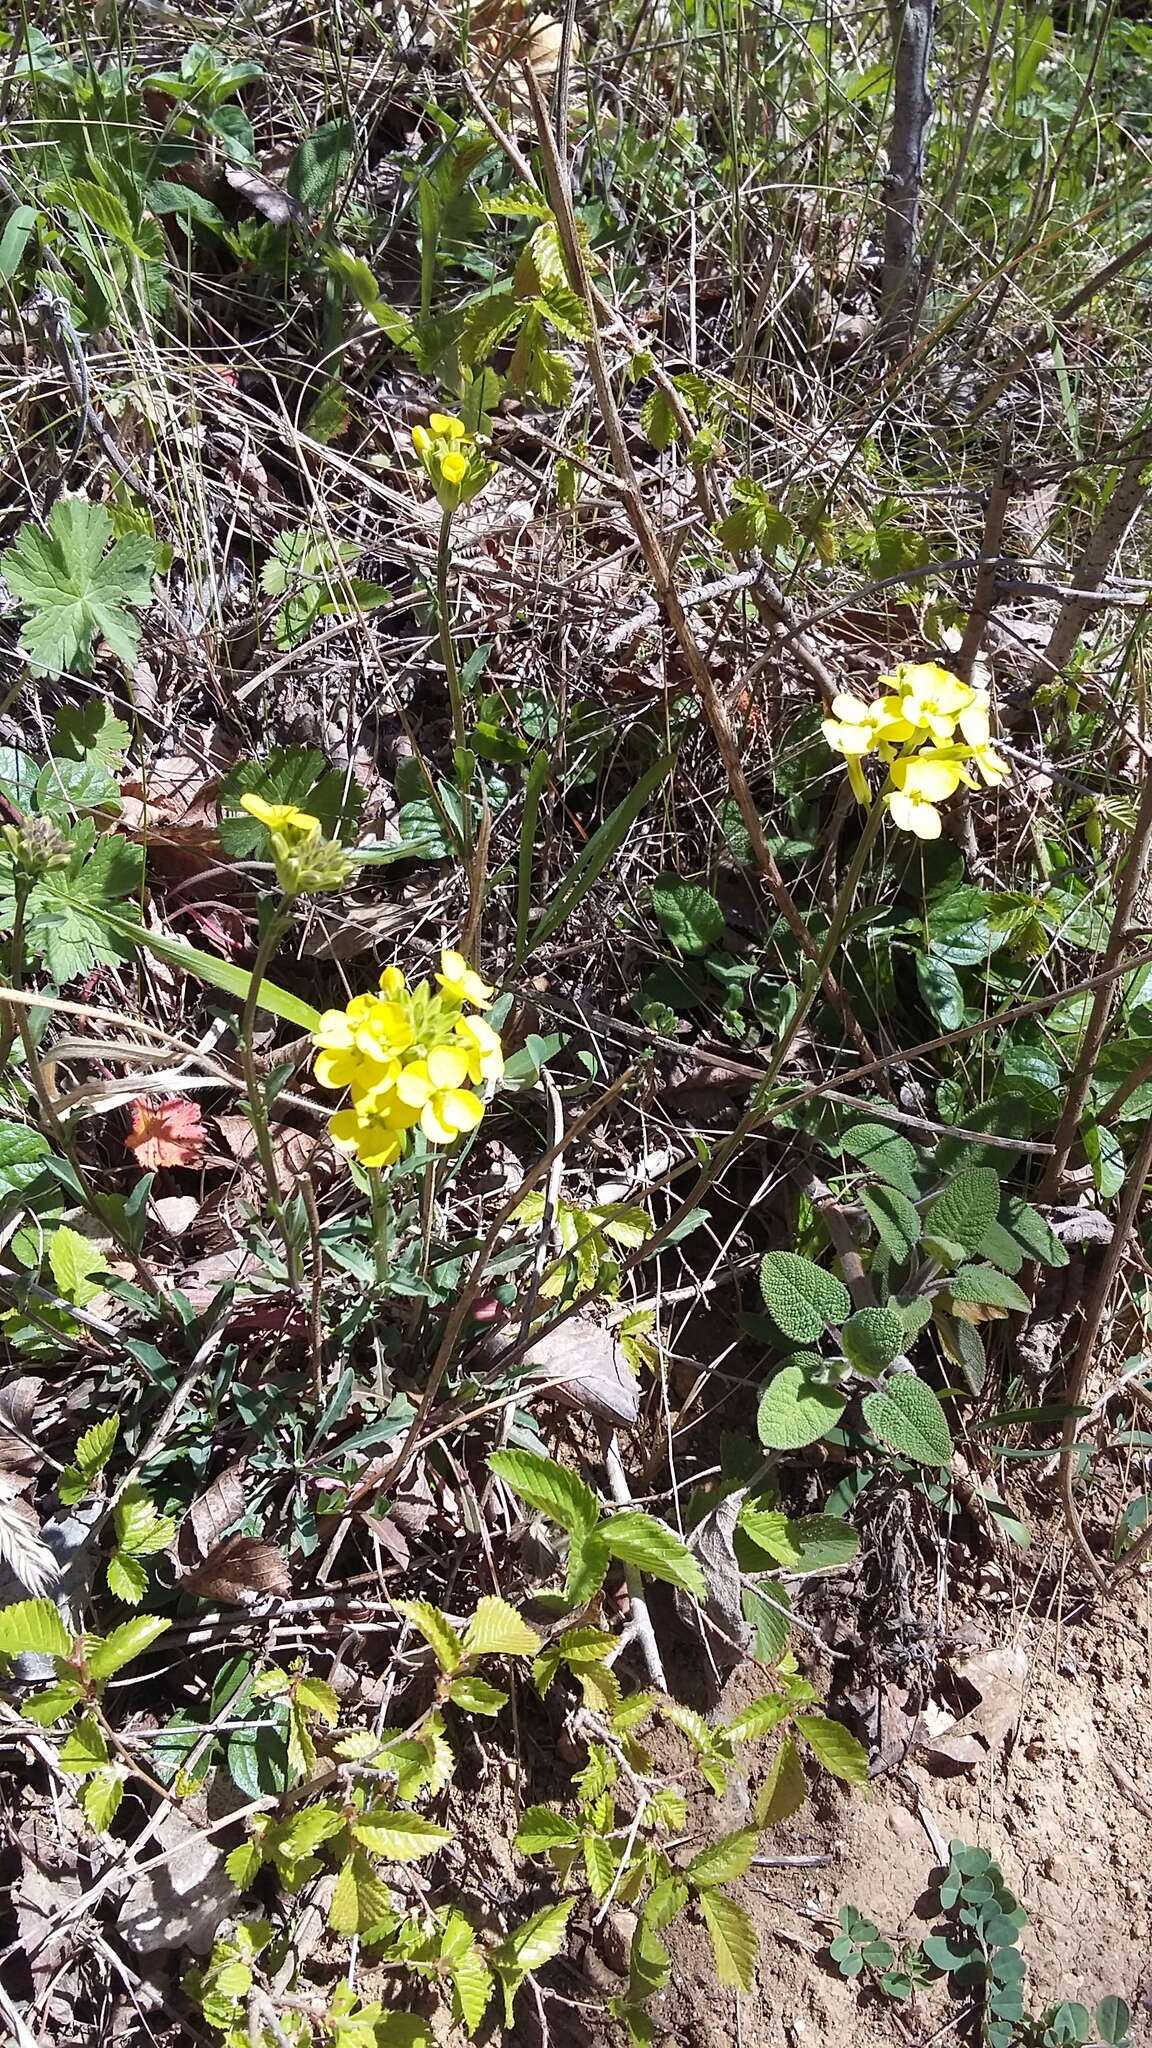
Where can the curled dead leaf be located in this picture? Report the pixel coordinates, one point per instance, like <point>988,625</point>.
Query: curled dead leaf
<point>212,1515</point>
<point>239,1569</point>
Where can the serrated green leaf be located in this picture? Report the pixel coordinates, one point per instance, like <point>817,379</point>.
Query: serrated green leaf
<point>801,1297</point>
<point>535,1943</point>
<point>101,1797</point>
<point>658,421</point>
<point>436,1630</point>
<point>470,1976</point>
<point>73,1260</point>
<point>497,1629</point>
<point>91,732</point>
<point>541,1828</point>
<point>22,1155</point>
<point>131,1639</point>
<point>639,1539</point>
<point>244,1864</point>
<point>733,1939</point>
<point>988,1285</point>
<point>908,1418</point>
<point>600,1866</point>
<point>963,1210</point>
<point>85,1749</point>
<point>872,1338</point>
<point>796,1409</point>
<point>724,1861</point>
<point>361,1898</point>
<point>53,1703</point>
<point>548,1487</point>
<point>34,1625</point>
<point>476,1696</point>
<point>833,1746</point>
<point>784,1789</point>
<point>94,1448</point>
<point>127,1579</point>
<point>588,1561</point>
<point>398,1835</point>
<point>140,1527</point>
<point>318,1697</point>
<point>71,590</point>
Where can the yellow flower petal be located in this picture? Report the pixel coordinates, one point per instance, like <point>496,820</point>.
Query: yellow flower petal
<point>912,814</point>
<point>927,777</point>
<point>447,1066</point>
<point>453,466</point>
<point>336,1069</point>
<point>421,440</point>
<point>279,817</point>
<point>333,1032</point>
<point>414,1084</point>
<point>447,423</point>
<point>457,979</point>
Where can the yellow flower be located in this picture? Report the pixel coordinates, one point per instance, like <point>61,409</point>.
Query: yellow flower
<point>432,1087</point>
<point>421,440</point>
<point>447,424</point>
<point>857,728</point>
<point>284,818</point>
<point>373,1142</point>
<point>482,1049</point>
<point>920,784</point>
<point>931,699</point>
<point>453,466</point>
<point>457,979</point>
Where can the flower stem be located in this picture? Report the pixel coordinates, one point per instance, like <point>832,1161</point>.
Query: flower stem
<point>451,671</point>
<point>381,1199</point>
<point>275,929</point>
<point>818,968</point>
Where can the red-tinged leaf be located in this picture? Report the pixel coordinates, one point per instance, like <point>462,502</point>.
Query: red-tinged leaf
<point>167,1133</point>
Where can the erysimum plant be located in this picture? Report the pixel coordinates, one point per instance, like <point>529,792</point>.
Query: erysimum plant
<point>408,1058</point>
<point>457,471</point>
<point>930,729</point>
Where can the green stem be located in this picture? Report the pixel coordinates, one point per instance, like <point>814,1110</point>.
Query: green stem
<point>818,968</point>
<point>448,657</point>
<point>277,925</point>
<point>381,1199</point>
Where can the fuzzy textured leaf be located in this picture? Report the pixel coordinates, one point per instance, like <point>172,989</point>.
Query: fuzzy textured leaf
<point>796,1409</point>
<point>801,1297</point>
<point>988,1285</point>
<point>962,1211</point>
<point>908,1417</point>
<point>872,1338</point>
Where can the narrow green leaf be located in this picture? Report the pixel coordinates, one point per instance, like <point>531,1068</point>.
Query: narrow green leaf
<point>232,981</point>
<point>436,1630</point>
<point>603,846</point>
<point>724,1861</point>
<point>131,1639</point>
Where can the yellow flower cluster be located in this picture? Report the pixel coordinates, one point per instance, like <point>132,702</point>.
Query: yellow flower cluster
<point>451,458</point>
<point>305,861</point>
<point>408,1057</point>
<point>913,729</point>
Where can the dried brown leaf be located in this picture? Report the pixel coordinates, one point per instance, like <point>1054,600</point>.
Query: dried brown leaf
<point>264,197</point>
<point>181,1903</point>
<point>583,1367</point>
<point>239,1569</point>
<point>23,1549</point>
<point>212,1515</point>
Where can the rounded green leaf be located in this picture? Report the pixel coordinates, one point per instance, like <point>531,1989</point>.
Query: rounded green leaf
<point>908,1418</point>
<point>872,1338</point>
<point>22,1153</point>
<point>689,914</point>
<point>801,1297</point>
<point>962,1211</point>
<point>796,1409</point>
